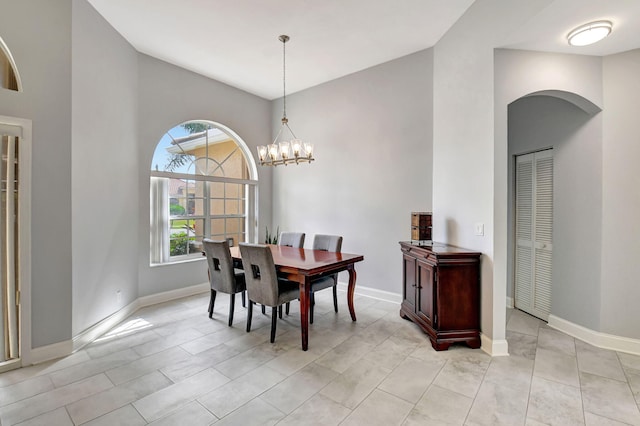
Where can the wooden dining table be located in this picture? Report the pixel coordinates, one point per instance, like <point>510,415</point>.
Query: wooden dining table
<point>305,265</point>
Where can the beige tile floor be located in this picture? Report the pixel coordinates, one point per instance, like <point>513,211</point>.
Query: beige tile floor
<point>170,364</point>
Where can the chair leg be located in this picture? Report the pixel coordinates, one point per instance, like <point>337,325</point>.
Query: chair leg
<point>243,299</point>
<point>274,321</point>
<point>280,311</point>
<point>212,301</point>
<point>232,305</point>
<point>335,297</point>
<point>249,315</point>
<point>286,308</point>
<point>263,311</point>
<point>311,304</point>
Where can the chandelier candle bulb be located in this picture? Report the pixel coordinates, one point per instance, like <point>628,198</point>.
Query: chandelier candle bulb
<point>262,152</point>
<point>296,144</point>
<point>273,151</point>
<point>308,148</point>
<point>285,147</point>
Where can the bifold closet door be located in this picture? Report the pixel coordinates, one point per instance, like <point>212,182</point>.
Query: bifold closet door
<point>534,233</point>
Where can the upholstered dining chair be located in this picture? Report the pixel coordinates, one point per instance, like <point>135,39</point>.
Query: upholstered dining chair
<point>290,239</point>
<point>327,243</point>
<point>263,284</point>
<point>223,276</point>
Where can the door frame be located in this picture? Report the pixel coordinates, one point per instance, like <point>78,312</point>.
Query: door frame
<point>24,240</point>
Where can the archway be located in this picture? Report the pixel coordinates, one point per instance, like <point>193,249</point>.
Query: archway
<point>9,76</point>
<point>568,125</point>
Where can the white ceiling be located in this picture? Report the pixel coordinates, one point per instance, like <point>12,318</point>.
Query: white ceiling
<point>236,42</point>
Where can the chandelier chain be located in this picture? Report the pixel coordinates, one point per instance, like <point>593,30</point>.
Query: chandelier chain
<point>284,78</point>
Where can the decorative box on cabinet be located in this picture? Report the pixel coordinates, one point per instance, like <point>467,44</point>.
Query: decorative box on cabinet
<point>420,226</point>
<point>441,293</point>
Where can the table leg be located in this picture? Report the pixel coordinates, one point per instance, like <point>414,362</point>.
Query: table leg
<point>305,296</point>
<point>350,291</point>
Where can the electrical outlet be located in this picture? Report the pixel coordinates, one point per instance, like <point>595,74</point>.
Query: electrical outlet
<point>480,229</point>
<point>118,296</point>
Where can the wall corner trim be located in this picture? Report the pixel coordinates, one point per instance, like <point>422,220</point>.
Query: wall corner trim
<point>494,347</point>
<point>596,338</point>
<point>97,330</point>
<point>49,352</point>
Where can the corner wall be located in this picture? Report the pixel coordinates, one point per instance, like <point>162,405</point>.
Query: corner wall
<point>621,196</point>
<point>372,135</point>
<point>104,169</point>
<point>467,182</point>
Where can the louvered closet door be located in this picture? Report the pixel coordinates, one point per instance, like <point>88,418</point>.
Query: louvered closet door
<point>534,233</point>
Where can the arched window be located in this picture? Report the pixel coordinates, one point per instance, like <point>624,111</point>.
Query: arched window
<point>203,185</point>
<point>9,77</point>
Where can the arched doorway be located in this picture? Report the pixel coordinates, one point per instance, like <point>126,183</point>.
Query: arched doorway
<point>552,266</point>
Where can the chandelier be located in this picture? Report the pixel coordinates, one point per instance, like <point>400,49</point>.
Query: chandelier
<point>285,152</point>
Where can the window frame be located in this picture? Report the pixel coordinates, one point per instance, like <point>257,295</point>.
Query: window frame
<point>160,220</point>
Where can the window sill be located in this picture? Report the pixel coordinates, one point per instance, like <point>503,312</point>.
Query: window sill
<point>179,261</point>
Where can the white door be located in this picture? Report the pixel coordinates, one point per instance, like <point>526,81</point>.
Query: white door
<point>534,233</point>
<point>10,137</point>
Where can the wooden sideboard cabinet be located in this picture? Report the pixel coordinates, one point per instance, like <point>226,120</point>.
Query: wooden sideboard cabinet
<point>441,292</point>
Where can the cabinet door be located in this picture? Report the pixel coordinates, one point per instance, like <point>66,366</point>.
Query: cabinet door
<point>409,290</point>
<point>425,303</point>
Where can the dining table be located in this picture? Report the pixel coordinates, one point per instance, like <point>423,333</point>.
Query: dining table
<point>304,266</point>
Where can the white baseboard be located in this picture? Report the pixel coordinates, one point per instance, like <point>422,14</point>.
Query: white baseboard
<point>97,330</point>
<point>596,338</point>
<point>62,349</point>
<point>373,293</point>
<point>494,347</point>
<point>510,302</point>
<point>167,296</point>
<point>49,352</point>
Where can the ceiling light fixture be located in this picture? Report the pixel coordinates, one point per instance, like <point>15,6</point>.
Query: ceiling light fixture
<point>286,152</point>
<point>589,33</point>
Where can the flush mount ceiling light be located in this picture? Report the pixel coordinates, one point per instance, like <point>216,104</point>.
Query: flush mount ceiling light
<point>589,33</point>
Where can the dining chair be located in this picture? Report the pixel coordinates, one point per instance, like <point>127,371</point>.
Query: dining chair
<point>290,239</point>
<point>326,243</point>
<point>263,284</point>
<point>223,276</point>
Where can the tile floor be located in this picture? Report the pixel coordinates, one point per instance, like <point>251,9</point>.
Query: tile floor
<point>170,364</point>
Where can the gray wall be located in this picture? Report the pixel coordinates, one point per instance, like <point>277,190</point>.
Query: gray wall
<point>372,136</point>
<point>105,168</point>
<point>38,33</point>
<point>541,122</point>
<point>168,96</point>
<point>621,196</point>
<point>466,184</point>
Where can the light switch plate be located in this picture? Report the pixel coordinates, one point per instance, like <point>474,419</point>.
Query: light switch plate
<point>480,229</point>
